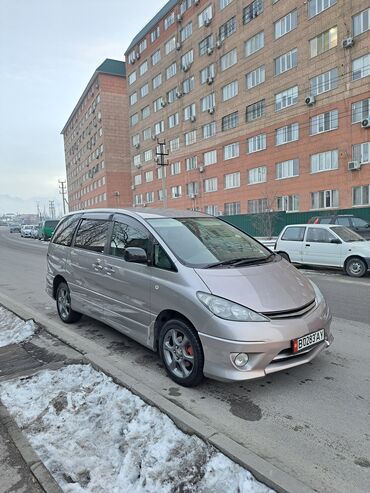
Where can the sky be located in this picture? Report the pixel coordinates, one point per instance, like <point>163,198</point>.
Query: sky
<point>49,49</point>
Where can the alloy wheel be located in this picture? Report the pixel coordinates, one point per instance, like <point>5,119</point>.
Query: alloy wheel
<point>178,353</point>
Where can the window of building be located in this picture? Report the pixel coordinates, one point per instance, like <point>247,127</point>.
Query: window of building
<point>317,6</point>
<point>257,206</point>
<point>255,77</point>
<point>224,3</point>
<point>148,155</point>
<point>206,73</point>
<point>210,185</point>
<point>360,110</point>
<point>231,151</point>
<point>142,45</point>
<point>255,43</point>
<point>190,137</point>
<point>324,161</point>
<point>132,78</point>
<point>137,180</point>
<point>134,119</point>
<point>161,195</point>
<point>173,120</point>
<point>286,62</point>
<point>285,24</point>
<point>361,152</point>
<point>157,81</point>
<point>188,84</point>
<point>209,130</point>
<point>187,59</point>
<point>230,90</point>
<point>143,68</point>
<point>211,209</point>
<point>232,180</point>
<point>228,60</point>
<point>149,197</point>
<point>169,20</point>
<point>252,10</point>
<point>256,143</point>
<point>170,45</point>
<point>171,70</point>
<point>145,112</point>
<point>144,90</point>
<point>324,122</point>
<point>174,144</point>
<point>227,29</point>
<point>324,199</point>
<point>186,31</point>
<point>287,169</point>
<point>230,121</point>
<point>286,98</point>
<point>361,67</point>
<point>171,95</point>
<point>133,98</point>
<point>155,34</point>
<point>210,157</point>
<point>149,176</point>
<point>288,133</point>
<point>190,163</point>
<point>206,44</point>
<point>192,188</point>
<point>257,175</point>
<point>161,172</point>
<point>288,203</point>
<point>175,168</point>
<point>156,57</point>
<point>208,102</point>
<point>255,111</point>
<point>231,208</point>
<point>324,42</point>
<point>147,133</point>
<point>176,192</point>
<point>205,16</point>
<point>158,104</point>
<point>159,127</point>
<point>361,195</point>
<point>324,82</point>
<point>361,22</point>
<point>189,111</point>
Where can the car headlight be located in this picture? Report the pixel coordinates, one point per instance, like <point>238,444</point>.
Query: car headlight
<point>318,294</point>
<point>229,310</point>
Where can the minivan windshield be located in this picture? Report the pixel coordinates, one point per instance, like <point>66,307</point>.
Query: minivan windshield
<point>209,242</point>
<point>346,234</point>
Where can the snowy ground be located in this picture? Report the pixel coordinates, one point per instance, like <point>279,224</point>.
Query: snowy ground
<point>95,436</point>
<point>13,329</point>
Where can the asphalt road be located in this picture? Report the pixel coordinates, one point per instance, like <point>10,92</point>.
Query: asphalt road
<point>312,421</point>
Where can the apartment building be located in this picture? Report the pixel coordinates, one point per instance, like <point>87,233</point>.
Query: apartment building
<point>263,104</point>
<point>96,142</point>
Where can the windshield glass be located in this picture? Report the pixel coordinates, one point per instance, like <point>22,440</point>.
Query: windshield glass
<point>202,241</point>
<point>346,234</point>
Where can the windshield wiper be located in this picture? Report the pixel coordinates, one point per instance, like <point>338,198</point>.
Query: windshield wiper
<point>254,260</point>
<point>238,261</point>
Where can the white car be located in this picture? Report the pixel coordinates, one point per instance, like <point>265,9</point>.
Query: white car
<point>325,245</point>
<point>26,231</point>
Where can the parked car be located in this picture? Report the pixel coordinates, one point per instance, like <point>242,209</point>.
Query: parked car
<point>357,224</point>
<point>26,230</point>
<point>14,228</point>
<point>35,231</point>
<point>325,245</point>
<point>46,229</point>
<point>212,300</point>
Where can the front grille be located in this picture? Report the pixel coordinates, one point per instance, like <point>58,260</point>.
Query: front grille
<point>295,313</point>
<point>286,354</point>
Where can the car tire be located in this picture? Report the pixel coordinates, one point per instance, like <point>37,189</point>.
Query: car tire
<point>355,267</point>
<point>63,300</point>
<point>285,256</point>
<point>181,352</point>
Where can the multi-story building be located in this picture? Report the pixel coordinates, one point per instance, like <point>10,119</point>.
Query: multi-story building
<point>96,142</point>
<point>263,104</point>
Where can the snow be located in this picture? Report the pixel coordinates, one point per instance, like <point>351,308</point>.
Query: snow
<point>95,436</point>
<point>13,329</point>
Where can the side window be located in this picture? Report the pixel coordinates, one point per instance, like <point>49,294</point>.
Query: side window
<point>318,235</point>
<point>64,233</point>
<point>161,259</point>
<point>325,220</point>
<point>126,235</point>
<point>91,235</point>
<point>359,223</point>
<point>294,234</point>
<point>343,221</point>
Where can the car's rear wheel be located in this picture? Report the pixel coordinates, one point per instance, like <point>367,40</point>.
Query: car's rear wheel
<point>63,299</point>
<point>181,352</point>
<point>356,267</point>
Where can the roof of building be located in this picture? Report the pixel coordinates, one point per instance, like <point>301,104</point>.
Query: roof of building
<point>109,67</point>
<point>149,26</point>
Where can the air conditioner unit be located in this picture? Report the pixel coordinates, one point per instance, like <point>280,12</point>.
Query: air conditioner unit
<point>154,137</point>
<point>132,187</point>
<point>178,94</point>
<point>354,165</point>
<point>186,67</point>
<point>179,18</point>
<point>207,22</point>
<point>137,145</point>
<point>138,165</point>
<point>137,55</point>
<point>196,2</point>
<point>192,195</point>
<point>365,123</point>
<point>163,103</point>
<point>310,100</point>
<point>210,80</point>
<point>193,118</point>
<point>348,42</point>
<point>201,169</point>
<point>209,50</point>
<point>211,110</point>
<point>218,43</point>
<point>178,45</point>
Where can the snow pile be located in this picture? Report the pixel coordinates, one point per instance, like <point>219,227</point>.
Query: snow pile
<point>13,329</point>
<point>95,436</point>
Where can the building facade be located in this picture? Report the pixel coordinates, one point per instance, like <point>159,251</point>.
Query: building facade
<point>96,142</point>
<point>262,104</point>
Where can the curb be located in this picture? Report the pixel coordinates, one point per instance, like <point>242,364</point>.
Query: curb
<point>100,359</point>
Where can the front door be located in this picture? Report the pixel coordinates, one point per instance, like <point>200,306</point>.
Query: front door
<point>318,248</point>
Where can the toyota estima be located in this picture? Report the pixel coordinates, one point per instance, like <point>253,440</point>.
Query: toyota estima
<point>209,298</point>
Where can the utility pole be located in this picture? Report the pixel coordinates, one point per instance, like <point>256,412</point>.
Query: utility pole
<point>52,209</point>
<point>63,192</point>
<point>160,153</point>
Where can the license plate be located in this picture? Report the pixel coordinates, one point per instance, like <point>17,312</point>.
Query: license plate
<point>309,340</point>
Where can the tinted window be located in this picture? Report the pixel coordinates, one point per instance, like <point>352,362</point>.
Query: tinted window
<point>64,232</point>
<point>359,223</point>
<point>318,235</point>
<point>325,220</point>
<point>130,234</point>
<point>161,259</point>
<point>91,235</point>
<point>347,234</point>
<point>293,234</point>
<point>343,221</point>
<point>50,224</point>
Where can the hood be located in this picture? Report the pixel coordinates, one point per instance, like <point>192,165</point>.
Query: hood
<point>270,287</point>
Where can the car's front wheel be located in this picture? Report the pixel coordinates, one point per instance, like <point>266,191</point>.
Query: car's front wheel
<point>181,352</point>
<point>63,299</point>
<point>356,267</point>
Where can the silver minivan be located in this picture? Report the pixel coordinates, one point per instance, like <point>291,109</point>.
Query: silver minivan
<point>209,298</point>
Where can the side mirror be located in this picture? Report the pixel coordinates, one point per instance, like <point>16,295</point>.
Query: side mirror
<point>336,241</point>
<point>135,254</point>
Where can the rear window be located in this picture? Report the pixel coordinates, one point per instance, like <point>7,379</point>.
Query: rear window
<point>50,224</point>
<point>64,233</point>
<point>92,235</point>
<point>294,234</point>
<point>325,220</point>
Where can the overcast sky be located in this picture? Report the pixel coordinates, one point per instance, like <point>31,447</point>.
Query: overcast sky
<point>49,49</point>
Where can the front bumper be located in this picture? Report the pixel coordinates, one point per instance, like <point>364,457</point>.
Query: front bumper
<point>270,353</point>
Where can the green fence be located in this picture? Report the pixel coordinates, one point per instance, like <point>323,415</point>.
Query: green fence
<point>271,223</point>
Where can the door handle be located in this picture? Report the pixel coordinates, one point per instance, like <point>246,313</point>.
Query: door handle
<point>307,244</point>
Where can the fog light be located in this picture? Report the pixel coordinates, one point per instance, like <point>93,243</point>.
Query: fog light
<point>241,360</point>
